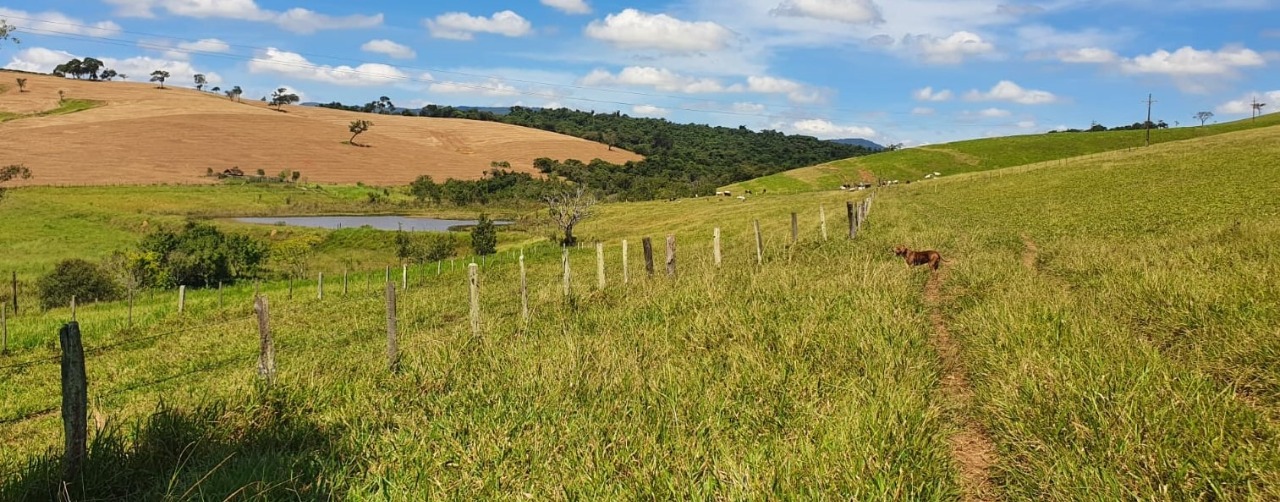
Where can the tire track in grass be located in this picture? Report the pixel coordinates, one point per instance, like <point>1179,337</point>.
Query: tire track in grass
<point>972,449</point>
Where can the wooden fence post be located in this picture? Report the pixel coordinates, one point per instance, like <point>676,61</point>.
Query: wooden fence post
<point>320,286</point>
<point>795,229</point>
<point>388,273</point>
<point>853,225</point>
<point>716,246</point>
<point>344,282</point>
<point>439,266</point>
<point>759,245</point>
<point>671,255</point>
<point>404,277</point>
<point>266,348</point>
<point>822,216</point>
<point>600,282</point>
<point>393,351</point>
<point>648,255</point>
<point>473,272</point>
<point>524,292</point>
<point>626,272</point>
<point>182,299</point>
<point>568,286</point>
<point>75,401</point>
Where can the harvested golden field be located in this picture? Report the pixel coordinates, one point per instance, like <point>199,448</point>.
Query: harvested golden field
<point>145,135</point>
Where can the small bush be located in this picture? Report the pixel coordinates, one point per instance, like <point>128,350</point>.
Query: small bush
<point>79,278</point>
<point>484,236</point>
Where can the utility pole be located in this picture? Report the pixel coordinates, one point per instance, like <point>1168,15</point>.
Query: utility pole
<point>1150,102</point>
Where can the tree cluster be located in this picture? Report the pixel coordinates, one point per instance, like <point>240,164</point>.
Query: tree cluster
<point>198,255</point>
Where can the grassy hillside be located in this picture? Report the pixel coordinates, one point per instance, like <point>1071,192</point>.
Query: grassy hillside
<point>1107,327</point>
<point>913,164</point>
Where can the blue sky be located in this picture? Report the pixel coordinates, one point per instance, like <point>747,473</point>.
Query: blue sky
<point>909,71</point>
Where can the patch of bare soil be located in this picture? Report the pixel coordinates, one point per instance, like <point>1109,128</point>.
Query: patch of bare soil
<point>1029,253</point>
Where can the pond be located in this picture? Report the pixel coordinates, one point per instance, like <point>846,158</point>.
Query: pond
<point>408,223</point>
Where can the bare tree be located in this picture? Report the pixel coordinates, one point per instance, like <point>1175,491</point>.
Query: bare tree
<point>1203,117</point>
<point>22,85</point>
<point>569,208</point>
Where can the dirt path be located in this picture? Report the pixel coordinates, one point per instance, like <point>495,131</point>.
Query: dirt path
<point>1029,253</point>
<point>973,451</point>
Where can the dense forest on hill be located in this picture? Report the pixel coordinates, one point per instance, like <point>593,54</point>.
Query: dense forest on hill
<point>681,160</point>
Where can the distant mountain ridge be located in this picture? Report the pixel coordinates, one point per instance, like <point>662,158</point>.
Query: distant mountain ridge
<point>865,143</point>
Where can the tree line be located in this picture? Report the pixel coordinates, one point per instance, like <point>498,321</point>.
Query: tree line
<point>681,160</point>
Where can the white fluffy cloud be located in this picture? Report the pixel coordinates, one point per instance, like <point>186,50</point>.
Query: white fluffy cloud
<point>1088,55</point>
<point>950,50</point>
<point>492,87</point>
<point>276,61</point>
<point>1013,93</point>
<point>928,94</point>
<point>658,78</point>
<point>650,111</point>
<point>569,6</point>
<point>59,22</point>
<point>389,48</point>
<point>1244,105</point>
<point>825,129</point>
<point>845,11</point>
<point>38,59</point>
<point>1189,61</point>
<point>994,113</point>
<point>463,26</point>
<point>297,20</point>
<point>206,45</point>
<point>633,29</point>
<point>795,91</point>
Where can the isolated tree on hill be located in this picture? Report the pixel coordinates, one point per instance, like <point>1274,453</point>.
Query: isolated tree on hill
<point>1203,117</point>
<point>75,68</point>
<point>160,76</point>
<point>14,172</point>
<point>22,85</point>
<point>109,74</point>
<point>91,67</point>
<point>282,97</point>
<point>200,81</point>
<point>569,208</point>
<point>236,92</point>
<point>215,89</point>
<point>357,127</point>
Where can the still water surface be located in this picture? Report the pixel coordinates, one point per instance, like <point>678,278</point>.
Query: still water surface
<point>409,223</point>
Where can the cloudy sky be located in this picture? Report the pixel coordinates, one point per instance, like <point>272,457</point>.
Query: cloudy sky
<point>910,71</point>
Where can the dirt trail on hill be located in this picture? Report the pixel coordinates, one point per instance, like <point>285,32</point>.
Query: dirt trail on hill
<point>973,451</point>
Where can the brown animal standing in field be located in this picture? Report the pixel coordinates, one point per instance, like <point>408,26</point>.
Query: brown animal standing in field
<point>929,257</point>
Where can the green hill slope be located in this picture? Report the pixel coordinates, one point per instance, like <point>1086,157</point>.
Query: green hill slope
<point>979,155</point>
<point>1109,326</point>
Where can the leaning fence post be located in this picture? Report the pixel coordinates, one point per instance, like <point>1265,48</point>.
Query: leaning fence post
<point>671,255</point>
<point>853,224</point>
<point>759,245</point>
<point>822,216</point>
<point>75,401</point>
<point>716,246</point>
<point>266,348</point>
<point>600,283</point>
<point>524,292</point>
<point>568,286</point>
<point>320,286</point>
<point>473,272</point>
<point>182,299</point>
<point>393,352</point>
<point>626,272</point>
<point>795,229</point>
<point>648,255</point>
